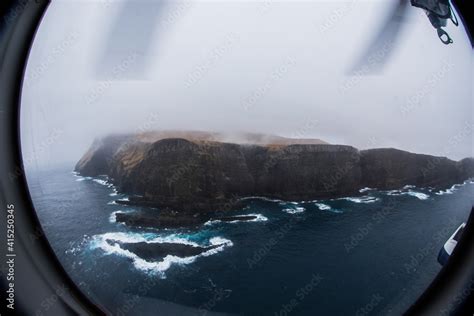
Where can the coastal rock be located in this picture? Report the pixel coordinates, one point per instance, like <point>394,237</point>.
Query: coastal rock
<point>197,175</point>
<point>99,159</point>
<point>389,169</point>
<point>160,220</point>
<point>158,251</point>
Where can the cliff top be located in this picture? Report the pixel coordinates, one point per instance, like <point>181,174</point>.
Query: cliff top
<point>221,137</point>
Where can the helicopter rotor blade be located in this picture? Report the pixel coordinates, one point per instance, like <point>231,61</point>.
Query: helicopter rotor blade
<point>377,54</point>
<point>125,54</point>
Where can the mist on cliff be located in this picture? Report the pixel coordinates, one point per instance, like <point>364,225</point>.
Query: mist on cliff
<point>277,68</point>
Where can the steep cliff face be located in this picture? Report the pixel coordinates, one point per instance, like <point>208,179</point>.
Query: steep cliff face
<point>98,160</point>
<point>190,175</point>
<point>301,172</point>
<point>392,169</point>
<point>467,166</point>
<point>179,173</point>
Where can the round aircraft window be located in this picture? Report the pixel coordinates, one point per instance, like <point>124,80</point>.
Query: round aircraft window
<point>250,157</point>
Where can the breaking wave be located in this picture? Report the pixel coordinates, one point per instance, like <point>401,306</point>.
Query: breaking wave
<point>263,198</point>
<point>410,192</point>
<point>294,210</point>
<point>103,182</point>
<point>451,190</point>
<point>362,199</point>
<point>258,218</point>
<point>325,207</point>
<point>419,195</point>
<point>109,244</point>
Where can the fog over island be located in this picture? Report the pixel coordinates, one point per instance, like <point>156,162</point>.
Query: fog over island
<point>237,66</point>
<point>221,157</point>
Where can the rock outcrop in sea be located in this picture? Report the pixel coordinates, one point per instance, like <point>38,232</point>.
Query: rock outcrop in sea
<point>200,172</point>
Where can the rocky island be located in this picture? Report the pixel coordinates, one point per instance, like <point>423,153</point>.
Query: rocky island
<point>158,251</point>
<point>191,175</point>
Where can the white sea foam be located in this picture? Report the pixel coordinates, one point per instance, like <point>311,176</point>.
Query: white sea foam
<point>108,243</point>
<point>80,178</point>
<point>447,191</point>
<point>112,203</point>
<point>100,181</point>
<point>292,204</point>
<point>419,195</point>
<point>258,218</point>
<point>103,182</point>
<point>365,189</point>
<point>212,222</point>
<point>220,241</point>
<point>455,187</point>
<point>451,190</point>
<point>325,207</point>
<point>147,238</point>
<point>113,217</point>
<point>263,198</point>
<point>362,199</point>
<point>294,210</point>
<point>409,186</point>
<point>78,246</point>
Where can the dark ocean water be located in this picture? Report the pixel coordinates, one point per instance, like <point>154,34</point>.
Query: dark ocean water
<point>372,255</point>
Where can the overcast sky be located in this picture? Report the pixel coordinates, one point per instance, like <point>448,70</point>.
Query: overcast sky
<point>100,67</point>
